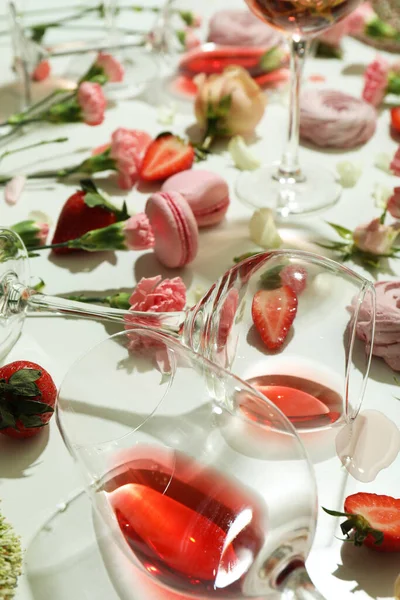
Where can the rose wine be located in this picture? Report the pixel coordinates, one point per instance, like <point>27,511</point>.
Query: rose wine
<point>190,526</point>
<point>302,17</point>
<point>307,404</point>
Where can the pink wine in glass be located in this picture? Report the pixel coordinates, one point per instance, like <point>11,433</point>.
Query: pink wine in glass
<point>307,404</point>
<point>302,17</point>
<point>190,526</point>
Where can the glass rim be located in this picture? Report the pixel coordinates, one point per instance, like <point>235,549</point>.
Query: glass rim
<point>200,359</point>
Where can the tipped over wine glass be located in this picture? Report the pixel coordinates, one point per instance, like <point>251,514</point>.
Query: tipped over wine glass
<point>196,492</point>
<point>290,188</point>
<point>316,376</point>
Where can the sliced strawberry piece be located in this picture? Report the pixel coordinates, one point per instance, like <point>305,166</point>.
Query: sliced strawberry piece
<point>273,313</point>
<point>182,538</point>
<point>372,520</point>
<point>165,156</point>
<point>77,218</point>
<point>395,118</point>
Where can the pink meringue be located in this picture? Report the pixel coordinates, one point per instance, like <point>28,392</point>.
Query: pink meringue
<point>332,119</point>
<point>241,28</point>
<point>387,328</point>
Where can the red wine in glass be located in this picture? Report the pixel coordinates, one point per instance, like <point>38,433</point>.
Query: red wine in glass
<point>302,17</point>
<point>190,526</point>
<point>307,404</point>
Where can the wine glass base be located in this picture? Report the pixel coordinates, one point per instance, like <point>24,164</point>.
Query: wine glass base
<point>265,188</point>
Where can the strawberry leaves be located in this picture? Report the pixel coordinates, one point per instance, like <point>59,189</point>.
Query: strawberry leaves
<point>358,526</point>
<point>94,198</point>
<point>17,401</point>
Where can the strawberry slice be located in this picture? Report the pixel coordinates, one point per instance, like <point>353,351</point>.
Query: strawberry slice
<point>395,118</point>
<point>165,156</point>
<point>372,520</point>
<point>273,313</point>
<point>184,539</point>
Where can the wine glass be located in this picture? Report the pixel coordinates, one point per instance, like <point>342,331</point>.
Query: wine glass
<point>291,189</point>
<point>317,377</point>
<point>104,30</point>
<point>191,469</point>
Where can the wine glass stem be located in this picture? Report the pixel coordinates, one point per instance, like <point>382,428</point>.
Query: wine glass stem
<point>167,322</point>
<point>290,167</point>
<point>298,586</point>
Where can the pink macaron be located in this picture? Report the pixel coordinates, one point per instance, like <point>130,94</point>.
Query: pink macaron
<point>207,194</point>
<point>174,227</point>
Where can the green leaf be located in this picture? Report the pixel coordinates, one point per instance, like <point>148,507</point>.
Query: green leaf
<point>335,513</point>
<point>271,279</point>
<point>224,105</point>
<point>24,388</point>
<point>6,418</point>
<point>238,259</point>
<point>339,246</point>
<point>31,407</point>
<point>344,233</point>
<point>323,50</point>
<point>181,36</point>
<point>93,199</point>
<point>25,375</point>
<point>88,185</point>
<point>31,421</point>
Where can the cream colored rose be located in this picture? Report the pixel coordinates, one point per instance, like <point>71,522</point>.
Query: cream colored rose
<point>375,238</point>
<point>230,103</point>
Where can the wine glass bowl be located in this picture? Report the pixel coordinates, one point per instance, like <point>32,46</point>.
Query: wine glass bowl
<point>196,493</point>
<point>302,17</point>
<point>318,375</point>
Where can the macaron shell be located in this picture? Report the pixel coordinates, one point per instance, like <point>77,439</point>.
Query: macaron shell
<point>174,227</point>
<point>206,192</point>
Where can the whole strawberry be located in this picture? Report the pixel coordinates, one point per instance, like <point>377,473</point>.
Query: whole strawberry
<point>27,399</point>
<point>372,520</point>
<point>83,211</point>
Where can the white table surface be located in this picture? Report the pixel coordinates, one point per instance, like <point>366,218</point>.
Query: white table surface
<point>37,476</point>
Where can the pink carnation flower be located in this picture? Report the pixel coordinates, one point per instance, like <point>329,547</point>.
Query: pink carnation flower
<point>393,205</point>
<point>42,233</point>
<point>92,102</point>
<point>41,71</point>
<point>333,36</point>
<point>358,19</point>
<point>100,149</point>
<point>374,237</point>
<point>376,79</point>
<point>395,164</point>
<point>138,232</point>
<point>128,147</point>
<point>153,295</point>
<point>191,39</point>
<point>112,68</point>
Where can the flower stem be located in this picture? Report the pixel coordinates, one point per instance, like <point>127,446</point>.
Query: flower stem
<point>42,143</point>
<point>90,299</point>
<point>49,246</point>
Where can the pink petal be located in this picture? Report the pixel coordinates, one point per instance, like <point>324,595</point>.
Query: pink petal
<point>14,188</point>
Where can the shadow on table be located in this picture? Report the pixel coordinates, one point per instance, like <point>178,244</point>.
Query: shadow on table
<point>18,457</point>
<point>374,573</point>
<point>82,262</point>
<point>147,265</point>
<point>63,562</point>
